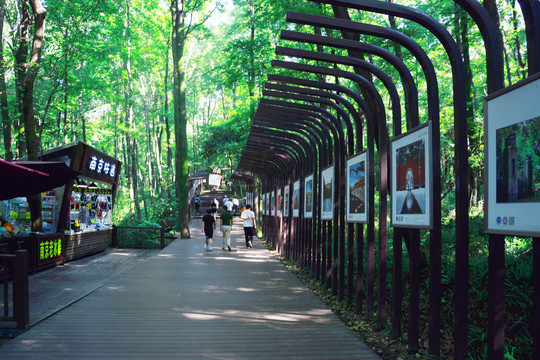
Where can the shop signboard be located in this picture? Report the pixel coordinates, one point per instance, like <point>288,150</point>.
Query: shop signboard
<point>49,248</point>
<point>99,166</point>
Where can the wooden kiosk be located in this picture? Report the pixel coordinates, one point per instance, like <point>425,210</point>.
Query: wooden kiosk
<point>86,204</point>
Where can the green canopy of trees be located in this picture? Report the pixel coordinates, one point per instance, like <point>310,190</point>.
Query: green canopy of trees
<point>170,87</point>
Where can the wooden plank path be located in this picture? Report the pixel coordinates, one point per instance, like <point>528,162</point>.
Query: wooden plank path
<point>187,303</point>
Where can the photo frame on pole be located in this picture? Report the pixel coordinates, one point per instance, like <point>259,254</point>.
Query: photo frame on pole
<point>412,178</point>
<point>357,188</point>
<point>279,202</point>
<point>296,199</point>
<point>273,202</point>
<point>263,207</point>
<point>286,200</point>
<point>268,201</point>
<point>327,193</point>
<point>512,159</point>
<point>308,197</point>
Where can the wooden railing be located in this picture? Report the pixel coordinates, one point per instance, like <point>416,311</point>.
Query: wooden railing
<point>14,277</point>
<point>140,237</point>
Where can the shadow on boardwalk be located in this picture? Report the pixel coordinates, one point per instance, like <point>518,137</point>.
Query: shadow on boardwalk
<point>184,302</point>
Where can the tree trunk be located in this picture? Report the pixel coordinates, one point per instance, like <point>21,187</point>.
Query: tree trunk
<point>27,87</point>
<point>167,126</point>
<point>251,80</point>
<point>6,121</point>
<point>131,143</point>
<point>21,54</point>
<point>180,119</point>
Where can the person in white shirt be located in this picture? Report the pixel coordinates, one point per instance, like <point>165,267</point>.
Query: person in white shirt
<point>236,203</point>
<point>229,205</point>
<point>249,225</point>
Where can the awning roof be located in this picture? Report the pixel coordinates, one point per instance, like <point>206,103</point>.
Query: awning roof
<point>22,178</point>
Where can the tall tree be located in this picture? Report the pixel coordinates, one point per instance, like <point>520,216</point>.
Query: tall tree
<point>4,111</point>
<point>31,68</point>
<point>182,12</point>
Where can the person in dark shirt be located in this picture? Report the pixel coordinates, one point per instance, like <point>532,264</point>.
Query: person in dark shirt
<point>208,226</point>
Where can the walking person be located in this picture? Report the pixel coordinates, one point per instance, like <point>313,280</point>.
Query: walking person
<point>197,203</point>
<point>226,223</point>
<point>249,225</point>
<point>229,205</point>
<point>208,226</point>
<point>236,203</point>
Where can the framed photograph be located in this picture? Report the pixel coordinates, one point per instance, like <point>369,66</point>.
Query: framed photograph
<point>268,202</point>
<point>512,159</point>
<point>296,199</point>
<point>279,202</point>
<point>357,186</point>
<point>263,204</point>
<point>412,178</point>
<point>308,197</point>
<point>273,203</point>
<point>327,193</point>
<point>286,200</point>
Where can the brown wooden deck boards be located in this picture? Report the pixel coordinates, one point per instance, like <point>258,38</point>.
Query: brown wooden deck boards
<point>191,304</point>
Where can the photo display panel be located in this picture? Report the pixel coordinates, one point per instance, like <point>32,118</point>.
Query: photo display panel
<point>357,188</point>
<point>411,178</point>
<point>512,159</point>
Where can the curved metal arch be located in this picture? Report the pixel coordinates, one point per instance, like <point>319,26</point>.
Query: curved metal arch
<point>361,81</point>
<point>494,61</point>
<point>339,170</point>
<point>316,96</point>
<point>409,85</point>
<point>305,130</point>
<point>386,33</point>
<point>337,59</point>
<point>531,14</point>
<point>326,95</point>
<point>333,87</point>
<point>267,137</point>
<point>307,149</point>
<point>278,162</point>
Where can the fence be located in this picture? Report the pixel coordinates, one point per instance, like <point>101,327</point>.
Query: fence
<point>139,237</point>
<point>14,278</point>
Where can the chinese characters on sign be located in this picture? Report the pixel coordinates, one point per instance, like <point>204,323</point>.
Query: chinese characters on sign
<point>101,166</point>
<point>50,249</point>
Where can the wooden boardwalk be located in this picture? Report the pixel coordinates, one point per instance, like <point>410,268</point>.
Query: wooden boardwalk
<point>187,303</point>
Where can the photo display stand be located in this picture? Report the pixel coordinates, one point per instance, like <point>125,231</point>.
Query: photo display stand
<point>279,202</point>
<point>411,180</point>
<point>512,159</point>
<point>308,197</point>
<point>327,193</point>
<point>357,188</point>
<point>286,200</point>
<point>296,199</point>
